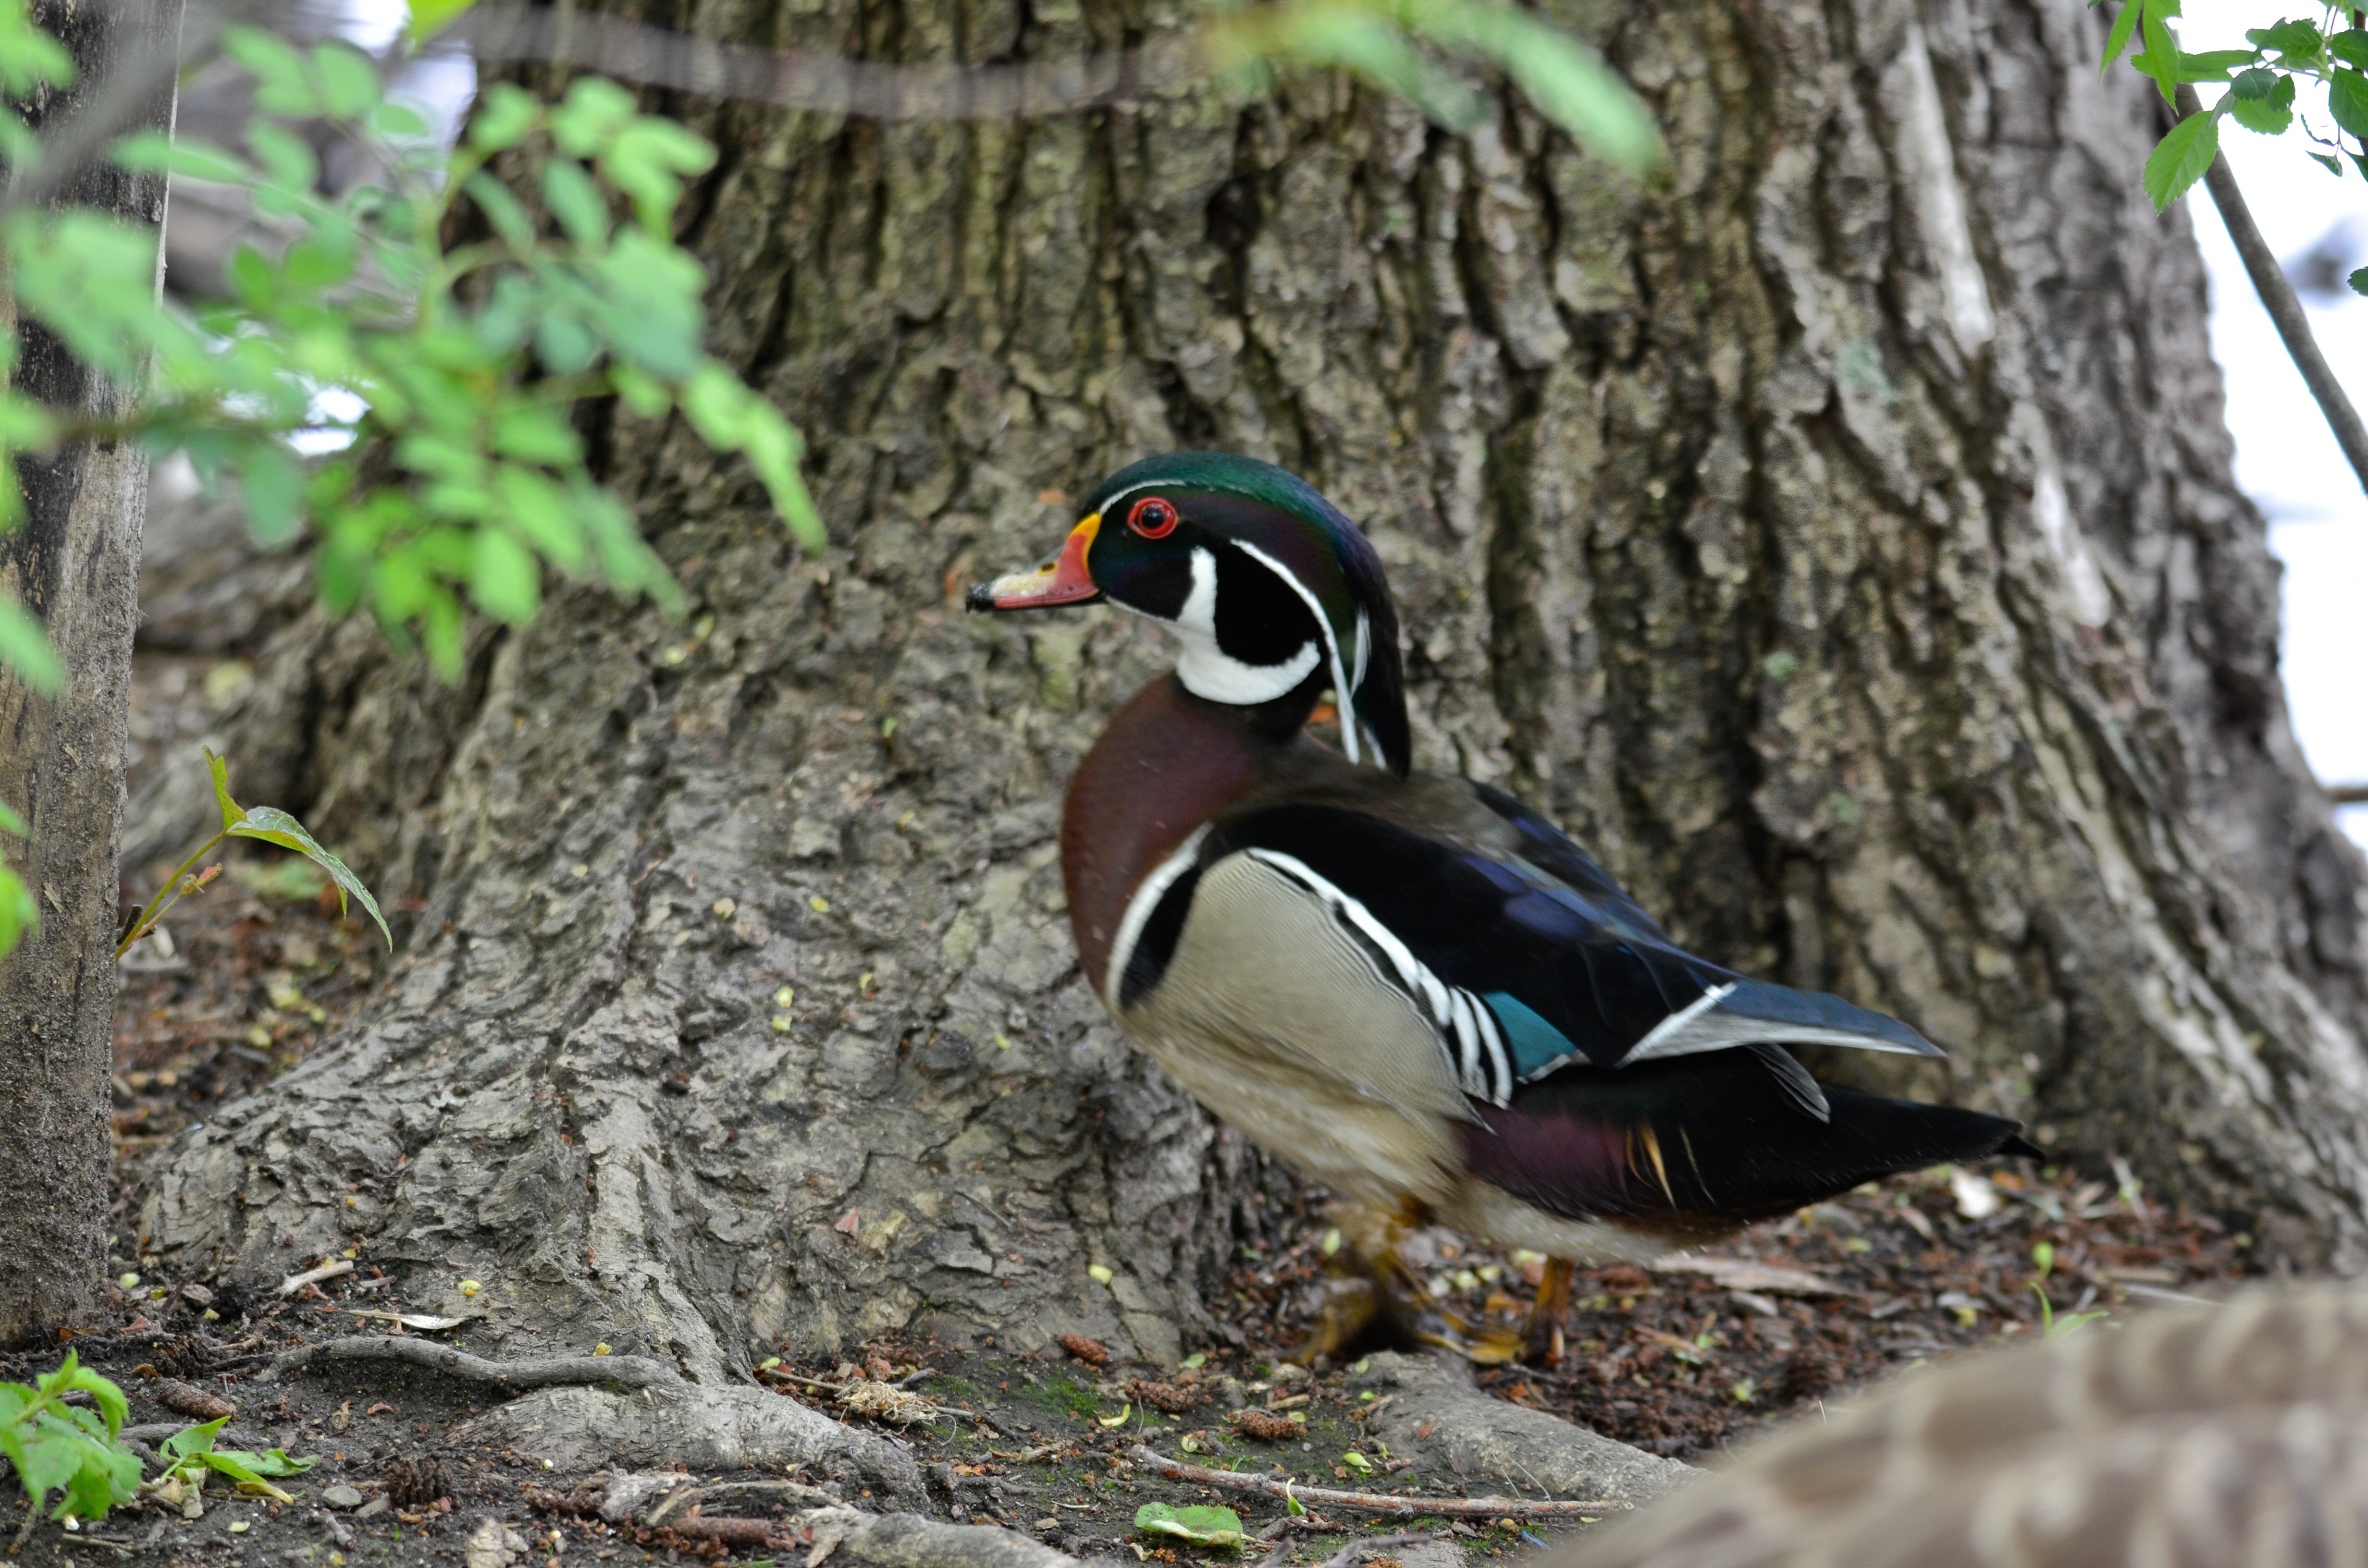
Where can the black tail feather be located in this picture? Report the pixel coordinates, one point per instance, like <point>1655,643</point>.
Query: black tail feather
<point>1705,1136</point>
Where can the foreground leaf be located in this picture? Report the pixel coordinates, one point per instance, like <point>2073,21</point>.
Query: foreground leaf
<point>1203,1525</point>
<point>2181,158</point>
<point>273,826</point>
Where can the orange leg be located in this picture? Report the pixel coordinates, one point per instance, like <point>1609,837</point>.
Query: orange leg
<point>1372,1289</point>
<point>1542,1333</point>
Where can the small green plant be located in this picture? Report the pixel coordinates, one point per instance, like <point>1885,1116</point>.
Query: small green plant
<point>268,824</point>
<point>2053,1327</point>
<point>191,1457</point>
<point>73,1449</point>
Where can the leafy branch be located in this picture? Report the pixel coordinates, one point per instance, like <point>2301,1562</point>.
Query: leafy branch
<point>2262,90</point>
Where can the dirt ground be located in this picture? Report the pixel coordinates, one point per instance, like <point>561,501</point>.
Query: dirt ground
<point>1681,1363</point>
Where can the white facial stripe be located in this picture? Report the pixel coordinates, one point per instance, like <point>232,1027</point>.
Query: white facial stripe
<point>1138,911</point>
<point>1343,691</point>
<point>1207,670</point>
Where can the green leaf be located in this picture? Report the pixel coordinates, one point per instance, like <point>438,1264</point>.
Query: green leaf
<point>646,160</point>
<point>2263,119</point>
<point>282,86</point>
<point>536,433</point>
<point>2332,167</point>
<point>2213,65</point>
<point>11,822</point>
<point>112,1407</point>
<point>232,813</point>
<point>2350,47</point>
<point>1201,1523</point>
<point>504,579</point>
<point>2359,280</point>
<point>594,111</point>
<point>538,509</point>
<point>1568,82</point>
<point>2119,38</point>
<point>575,201</point>
<point>286,158</point>
<point>2158,55</point>
<point>274,488</point>
<point>349,88</point>
<point>502,209</point>
<point>430,17</point>
<point>2347,100</point>
<point>506,114</point>
<point>20,915</point>
<point>2181,158</point>
<point>273,826</point>
<point>25,650</point>
<point>729,415</point>
<point>2296,40</point>
<point>399,122</point>
<point>2262,101</point>
<point>191,1440</point>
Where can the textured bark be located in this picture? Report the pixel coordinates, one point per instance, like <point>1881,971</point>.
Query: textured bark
<point>1838,536</point>
<point>74,563</point>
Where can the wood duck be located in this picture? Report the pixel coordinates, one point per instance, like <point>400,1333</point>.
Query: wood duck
<point>1409,984</point>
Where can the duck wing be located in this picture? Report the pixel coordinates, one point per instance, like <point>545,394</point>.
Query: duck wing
<point>1525,956</point>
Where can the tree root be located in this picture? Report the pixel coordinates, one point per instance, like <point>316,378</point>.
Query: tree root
<point>666,1511</point>
<point>631,1371</point>
<point>703,1428</point>
<point>1368,1502</point>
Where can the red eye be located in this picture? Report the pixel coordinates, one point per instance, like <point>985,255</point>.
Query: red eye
<point>1153,518</point>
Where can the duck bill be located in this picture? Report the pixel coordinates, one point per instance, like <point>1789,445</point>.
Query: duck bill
<point>1061,581</point>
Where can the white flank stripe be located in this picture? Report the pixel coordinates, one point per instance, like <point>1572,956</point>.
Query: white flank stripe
<point>1138,911</point>
<point>1456,1022</point>
<point>1467,1036</point>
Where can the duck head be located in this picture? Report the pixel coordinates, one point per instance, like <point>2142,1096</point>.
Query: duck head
<point>1269,588</point>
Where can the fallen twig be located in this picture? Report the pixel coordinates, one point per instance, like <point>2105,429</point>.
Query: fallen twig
<point>632,1371</point>
<point>120,1548</point>
<point>1369,1502</point>
<point>296,1282</point>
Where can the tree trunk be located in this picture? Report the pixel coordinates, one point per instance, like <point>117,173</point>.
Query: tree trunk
<point>1838,536</point>
<point>74,563</point>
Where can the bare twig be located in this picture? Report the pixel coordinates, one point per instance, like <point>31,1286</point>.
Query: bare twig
<point>2277,299</point>
<point>1368,1502</point>
<point>296,1282</point>
<point>633,1371</point>
<point>831,84</point>
<point>2347,794</point>
<point>120,1548</point>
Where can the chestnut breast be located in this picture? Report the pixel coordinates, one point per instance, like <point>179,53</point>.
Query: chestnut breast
<point>1168,763</point>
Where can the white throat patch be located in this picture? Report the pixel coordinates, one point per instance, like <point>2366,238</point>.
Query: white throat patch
<point>1208,671</point>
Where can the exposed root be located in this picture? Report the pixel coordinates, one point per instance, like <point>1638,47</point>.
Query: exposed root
<point>1368,1502</point>
<point>630,1371</point>
<point>665,1511</point>
<point>704,1427</point>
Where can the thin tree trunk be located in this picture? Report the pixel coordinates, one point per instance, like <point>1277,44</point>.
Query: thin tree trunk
<point>1838,536</point>
<point>75,563</point>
